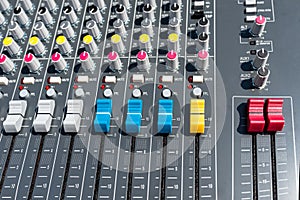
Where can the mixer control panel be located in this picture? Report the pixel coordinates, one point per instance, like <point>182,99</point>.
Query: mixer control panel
<point>133,99</point>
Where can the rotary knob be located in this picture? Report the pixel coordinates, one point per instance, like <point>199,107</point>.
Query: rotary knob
<point>42,31</point>
<point>68,30</point>
<point>258,26</point>
<point>4,5</point>
<point>122,13</point>
<point>117,43</point>
<point>2,20</point>
<point>203,25</point>
<point>58,61</point>
<point>6,64</point>
<point>172,60</point>
<point>96,14</point>
<point>12,46</point>
<point>63,44</point>
<point>203,42</point>
<point>37,46</point>
<point>147,27</point>
<point>27,5</point>
<point>46,16</point>
<point>71,14</point>
<point>174,26</point>
<point>76,5</point>
<point>148,12</point>
<point>16,31</point>
<point>114,61</point>
<point>87,62</point>
<point>21,16</point>
<point>261,58</point>
<point>93,29</point>
<point>175,11</point>
<point>119,27</point>
<point>261,78</point>
<point>32,62</point>
<point>51,4</point>
<point>100,3</point>
<point>143,61</point>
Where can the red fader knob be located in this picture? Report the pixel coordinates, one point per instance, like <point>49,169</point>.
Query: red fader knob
<point>256,120</point>
<point>274,117</point>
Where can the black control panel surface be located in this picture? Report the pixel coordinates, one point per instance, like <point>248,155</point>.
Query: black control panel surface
<point>134,99</point>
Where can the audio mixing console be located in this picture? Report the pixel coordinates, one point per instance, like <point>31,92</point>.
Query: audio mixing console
<point>149,99</point>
